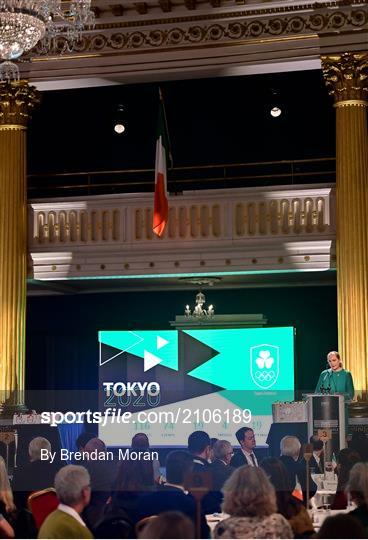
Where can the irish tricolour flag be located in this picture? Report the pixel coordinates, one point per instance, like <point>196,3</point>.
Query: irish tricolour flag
<point>161,205</point>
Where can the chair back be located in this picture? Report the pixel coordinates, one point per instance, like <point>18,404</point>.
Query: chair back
<point>41,504</point>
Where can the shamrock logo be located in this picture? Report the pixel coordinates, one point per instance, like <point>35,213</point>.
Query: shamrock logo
<point>264,360</point>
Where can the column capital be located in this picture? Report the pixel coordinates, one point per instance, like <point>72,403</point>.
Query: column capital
<point>346,78</point>
<point>17,100</point>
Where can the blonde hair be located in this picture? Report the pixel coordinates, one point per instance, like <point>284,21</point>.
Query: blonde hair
<point>6,494</point>
<point>358,483</point>
<point>334,353</point>
<point>248,492</point>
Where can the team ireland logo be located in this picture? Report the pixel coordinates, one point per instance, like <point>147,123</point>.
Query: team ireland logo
<point>264,365</point>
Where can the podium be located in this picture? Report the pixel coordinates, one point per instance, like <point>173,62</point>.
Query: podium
<point>327,411</point>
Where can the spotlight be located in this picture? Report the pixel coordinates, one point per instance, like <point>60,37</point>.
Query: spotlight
<point>274,103</point>
<point>119,123</point>
<point>119,128</point>
<point>275,112</point>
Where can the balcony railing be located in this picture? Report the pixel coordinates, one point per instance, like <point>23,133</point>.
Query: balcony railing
<point>225,222</point>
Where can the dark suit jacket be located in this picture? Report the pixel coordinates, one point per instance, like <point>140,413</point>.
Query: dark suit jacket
<point>298,469</point>
<point>220,473</point>
<point>33,476</point>
<point>318,469</point>
<point>211,502</point>
<point>169,498</point>
<point>239,459</point>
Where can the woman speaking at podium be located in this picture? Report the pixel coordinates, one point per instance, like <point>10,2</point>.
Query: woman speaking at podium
<point>335,380</point>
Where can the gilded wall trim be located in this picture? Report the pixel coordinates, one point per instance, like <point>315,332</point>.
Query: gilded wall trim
<point>186,35</point>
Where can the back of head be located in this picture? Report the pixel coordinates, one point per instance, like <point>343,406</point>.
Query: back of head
<point>346,459</point>
<point>358,483</point>
<point>290,446</point>
<point>140,442</point>
<point>248,492</point>
<point>221,448</point>
<point>198,441</point>
<point>341,526</point>
<point>95,444</point>
<point>69,483</point>
<point>83,439</point>
<point>178,464</point>
<point>277,473</point>
<point>213,441</point>
<point>134,475</point>
<point>359,443</point>
<point>317,443</point>
<point>169,525</point>
<point>114,526</point>
<point>36,445</point>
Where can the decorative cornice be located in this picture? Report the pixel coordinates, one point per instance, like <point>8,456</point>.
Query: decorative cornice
<point>244,8</point>
<point>17,100</point>
<point>183,33</point>
<point>346,77</point>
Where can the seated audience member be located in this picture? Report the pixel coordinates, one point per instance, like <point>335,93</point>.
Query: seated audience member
<point>290,450</point>
<point>173,496</point>
<point>213,441</point>
<point>346,459</point>
<point>102,474</point>
<point>316,462</point>
<point>220,467</point>
<point>287,505</point>
<point>83,439</point>
<point>246,455</point>
<point>341,526</point>
<point>359,443</point>
<point>134,479</point>
<point>358,488</point>
<point>169,525</point>
<point>36,475</point>
<point>199,446</point>
<point>140,443</point>
<point>114,525</point>
<point>72,485</point>
<point>250,500</point>
<point>7,506</point>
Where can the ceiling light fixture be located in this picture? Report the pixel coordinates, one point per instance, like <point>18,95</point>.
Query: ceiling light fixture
<point>23,23</point>
<point>275,112</point>
<point>199,312</point>
<point>119,125</point>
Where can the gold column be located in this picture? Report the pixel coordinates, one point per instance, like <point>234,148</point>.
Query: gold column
<point>17,99</point>
<point>346,77</point>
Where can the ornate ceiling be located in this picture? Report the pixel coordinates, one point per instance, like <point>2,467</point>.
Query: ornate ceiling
<point>174,39</point>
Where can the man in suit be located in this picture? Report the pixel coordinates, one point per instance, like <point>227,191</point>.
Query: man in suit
<point>199,446</point>
<point>173,495</point>
<point>246,455</point>
<point>221,468</point>
<point>72,485</point>
<point>316,463</point>
<point>296,468</point>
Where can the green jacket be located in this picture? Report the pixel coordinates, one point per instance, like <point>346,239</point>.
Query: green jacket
<point>61,525</point>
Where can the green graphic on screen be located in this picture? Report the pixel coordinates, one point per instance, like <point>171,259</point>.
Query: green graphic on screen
<point>227,369</point>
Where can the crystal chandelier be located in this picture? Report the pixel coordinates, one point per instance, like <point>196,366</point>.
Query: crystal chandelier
<point>23,23</point>
<point>198,311</point>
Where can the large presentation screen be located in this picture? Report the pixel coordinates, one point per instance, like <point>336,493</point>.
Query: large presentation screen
<point>173,382</point>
